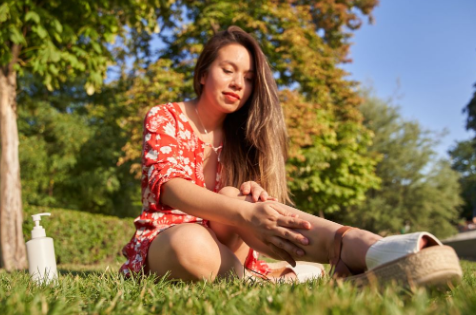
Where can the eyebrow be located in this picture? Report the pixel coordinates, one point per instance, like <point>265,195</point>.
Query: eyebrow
<point>234,65</point>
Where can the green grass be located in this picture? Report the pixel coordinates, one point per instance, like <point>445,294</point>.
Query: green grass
<point>99,290</point>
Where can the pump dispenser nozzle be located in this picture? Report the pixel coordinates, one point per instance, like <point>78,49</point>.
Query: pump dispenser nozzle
<point>38,230</point>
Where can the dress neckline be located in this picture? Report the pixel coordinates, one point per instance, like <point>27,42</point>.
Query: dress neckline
<point>217,150</point>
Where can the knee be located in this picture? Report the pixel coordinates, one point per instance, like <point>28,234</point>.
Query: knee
<point>197,254</point>
<point>230,191</point>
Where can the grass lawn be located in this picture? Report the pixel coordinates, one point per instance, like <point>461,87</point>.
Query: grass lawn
<point>99,290</point>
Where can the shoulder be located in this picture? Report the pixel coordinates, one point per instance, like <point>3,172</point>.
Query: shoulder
<point>164,114</point>
<point>161,109</point>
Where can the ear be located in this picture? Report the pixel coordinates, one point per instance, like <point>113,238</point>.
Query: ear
<point>203,78</point>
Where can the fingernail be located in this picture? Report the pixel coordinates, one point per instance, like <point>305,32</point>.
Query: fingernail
<point>300,253</point>
<point>305,241</point>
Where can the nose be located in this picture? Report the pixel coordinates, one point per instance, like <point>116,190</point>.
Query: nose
<point>238,81</point>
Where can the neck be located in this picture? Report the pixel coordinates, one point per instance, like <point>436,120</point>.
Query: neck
<point>209,120</point>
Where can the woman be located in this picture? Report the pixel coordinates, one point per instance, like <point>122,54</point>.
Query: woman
<point>195,222</point>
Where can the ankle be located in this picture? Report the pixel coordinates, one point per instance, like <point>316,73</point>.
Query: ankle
<point>355,246</point>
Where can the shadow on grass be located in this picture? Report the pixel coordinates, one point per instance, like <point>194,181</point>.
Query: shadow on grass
<point>79,273</point>
<point>83,271</point>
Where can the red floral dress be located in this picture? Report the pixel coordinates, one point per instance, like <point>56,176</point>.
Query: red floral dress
<point>170,150</point>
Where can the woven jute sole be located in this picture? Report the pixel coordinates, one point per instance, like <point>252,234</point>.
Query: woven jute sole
<point>432,266</point>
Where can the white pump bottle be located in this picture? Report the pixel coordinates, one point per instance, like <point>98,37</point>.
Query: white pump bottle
<point>41,253</point>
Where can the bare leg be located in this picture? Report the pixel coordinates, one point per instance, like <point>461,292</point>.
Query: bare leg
<point>191,252</point>
<point>320,236</point>
<point>228,237</point>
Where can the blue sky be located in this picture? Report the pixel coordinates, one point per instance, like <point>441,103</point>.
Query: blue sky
<point>422,54</point>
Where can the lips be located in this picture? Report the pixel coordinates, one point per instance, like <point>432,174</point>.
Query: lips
<point>231,94</point>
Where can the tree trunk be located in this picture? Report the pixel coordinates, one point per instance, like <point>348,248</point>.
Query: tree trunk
<point>12,245</point>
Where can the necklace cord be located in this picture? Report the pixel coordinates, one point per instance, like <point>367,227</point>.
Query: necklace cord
<point>206,132</point>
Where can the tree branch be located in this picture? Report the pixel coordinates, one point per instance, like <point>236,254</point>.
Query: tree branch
<point>15,49</point>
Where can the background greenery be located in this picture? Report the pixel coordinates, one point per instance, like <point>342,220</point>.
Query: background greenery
<point>353,158</point>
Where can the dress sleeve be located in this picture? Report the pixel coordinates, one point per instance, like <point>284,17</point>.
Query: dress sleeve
<point>162,157</point>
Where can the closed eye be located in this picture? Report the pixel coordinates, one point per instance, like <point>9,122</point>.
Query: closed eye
<point>227,71</point>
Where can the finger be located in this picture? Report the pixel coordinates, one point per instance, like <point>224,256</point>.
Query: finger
<point>279,208</point>
<point>256,191</point>
<point>245,188</point>
<point>280,253</point>
<point>271,198</point>
<point>264,196</point>
<point>292,236</point>
<point>293,222</point>
<point>288,247</point>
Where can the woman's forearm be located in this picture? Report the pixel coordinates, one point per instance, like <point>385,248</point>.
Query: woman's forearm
<point>198,201</point>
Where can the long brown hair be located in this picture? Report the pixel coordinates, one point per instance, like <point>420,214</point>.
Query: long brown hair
<point>255,140</point>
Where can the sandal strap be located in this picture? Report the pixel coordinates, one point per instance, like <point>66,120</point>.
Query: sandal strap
<point>252,274</point>
<point>338,267</point>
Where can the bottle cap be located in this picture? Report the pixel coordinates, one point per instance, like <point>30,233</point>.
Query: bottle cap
<point>38,230</point>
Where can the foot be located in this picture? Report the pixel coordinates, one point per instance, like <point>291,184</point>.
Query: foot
<point>398,246</point>
<point>356,243</point>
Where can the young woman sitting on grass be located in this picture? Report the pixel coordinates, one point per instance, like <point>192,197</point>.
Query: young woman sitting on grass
<point>205,215</point>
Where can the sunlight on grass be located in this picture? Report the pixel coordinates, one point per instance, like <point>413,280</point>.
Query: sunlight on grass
<point>99,290</point>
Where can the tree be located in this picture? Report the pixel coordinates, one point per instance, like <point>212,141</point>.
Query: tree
<point>470,109</point>
<point>55,40</point>
<point>464,161</point>
<point>417,192</point>
<point>304,41</point>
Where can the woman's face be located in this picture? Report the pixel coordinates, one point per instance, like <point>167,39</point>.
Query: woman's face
<point>228,82</point>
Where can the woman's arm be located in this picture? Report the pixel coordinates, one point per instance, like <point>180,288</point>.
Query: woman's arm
<point>182,194</point>
<point>268,222</point>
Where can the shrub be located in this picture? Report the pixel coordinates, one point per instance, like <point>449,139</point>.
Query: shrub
<point>81,237</point>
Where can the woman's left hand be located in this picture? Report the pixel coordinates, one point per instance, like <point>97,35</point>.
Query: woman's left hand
<point>256,191</point>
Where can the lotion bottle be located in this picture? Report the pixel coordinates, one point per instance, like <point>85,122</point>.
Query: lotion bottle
<point>41,253</point>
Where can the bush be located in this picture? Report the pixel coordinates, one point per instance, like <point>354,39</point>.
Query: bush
<point>82,237</point>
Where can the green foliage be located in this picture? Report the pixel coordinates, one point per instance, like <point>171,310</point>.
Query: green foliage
<point>69,151</point>
<point>329,166</point>
<point>81,237</point>
<point>416,189</point>
<point>50,141</point>
<point>104,292</point>
<point>464,161</point>
<point>62,39</point>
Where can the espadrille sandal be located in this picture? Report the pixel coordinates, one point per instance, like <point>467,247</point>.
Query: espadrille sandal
<point>398,258</point>
<point>304,271</point>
